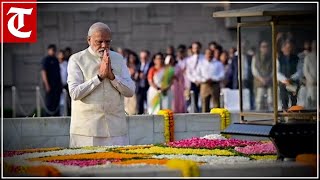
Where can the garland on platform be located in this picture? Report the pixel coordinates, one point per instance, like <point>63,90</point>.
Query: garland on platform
<point>188,168</point>
<point>168,124</point>
<point>224,117</point>
<point>41,170</point>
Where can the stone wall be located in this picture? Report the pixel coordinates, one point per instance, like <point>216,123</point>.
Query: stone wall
<point>151,26</point>
<point>21,133</point>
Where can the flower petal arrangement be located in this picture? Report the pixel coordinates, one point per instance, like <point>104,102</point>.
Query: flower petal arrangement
<point>168,124</point>
<point>185,155</point>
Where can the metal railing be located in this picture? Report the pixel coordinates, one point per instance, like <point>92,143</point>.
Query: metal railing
<point>40,103</point>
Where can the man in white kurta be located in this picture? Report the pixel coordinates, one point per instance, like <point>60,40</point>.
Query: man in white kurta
<point>98,80</point>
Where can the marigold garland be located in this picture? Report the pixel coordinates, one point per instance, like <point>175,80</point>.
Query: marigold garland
<point>40,149</point>
<point>168,124</point>
<point>99,155</point>
<point>191,151</point>
<point>142,161</point>
<point>188,168</point>
<point>224,117</point>
<point>264,157</point>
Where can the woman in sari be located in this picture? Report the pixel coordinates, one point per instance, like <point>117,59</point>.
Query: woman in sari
<point>178,85</point>
<point>160,78</point>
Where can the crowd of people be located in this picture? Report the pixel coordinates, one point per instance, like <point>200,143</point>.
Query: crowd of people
<point>164,80</point>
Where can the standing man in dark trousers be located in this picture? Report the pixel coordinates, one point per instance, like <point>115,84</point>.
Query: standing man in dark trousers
<point>51,78</point>
<point>143,84</point>
<point>192,63</point>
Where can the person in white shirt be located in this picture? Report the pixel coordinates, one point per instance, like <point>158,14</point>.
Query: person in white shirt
<point>310,72</point>
<point>192,63</point>
<point>210,73</point>
<point>98,80</point>
<point>63,63</point>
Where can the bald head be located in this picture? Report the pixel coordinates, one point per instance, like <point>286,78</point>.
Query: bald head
<point>98,26</point>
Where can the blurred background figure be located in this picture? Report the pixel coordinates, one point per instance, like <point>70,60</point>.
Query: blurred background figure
<point>171,51</point>
<point>63,63</point>
<point>213,46</point>
<point>231,52</point>
<point>247,77</point>
<point>192,74</point>
<point>143,84</point>
<point>120,51</point>
<point>177,88</point>
<point>160,78</point>
<point>310,73</point>
<point>262,73</point>
<point>224,58</point>
<point>210,72</point>
<point>130,103</point>
<point>68,53</point>
<point>182,66</point>
<point>189,51</point>
<point>51,78</point>
<point>301,98</point>
<point>287,68</point>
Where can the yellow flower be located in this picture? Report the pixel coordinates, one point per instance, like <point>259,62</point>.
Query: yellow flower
<point>264,157</point>
<point>188,168</point>
<point>170,150</point>
<point>168,124</point>
<point>224,117</point>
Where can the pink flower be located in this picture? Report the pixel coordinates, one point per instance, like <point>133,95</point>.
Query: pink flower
<point>196,142</point>
<point>83,163</point>
<point>12,153</point>
<point>265,148</point>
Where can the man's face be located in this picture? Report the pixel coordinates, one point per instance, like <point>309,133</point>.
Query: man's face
<point>212,47</point>
<point>217,54</point>
<point>169,50</point>
<point>60,56</point>
<point>143,56</point>
<point>181,54</point>
<point>287,48</point>
<point>99,41</point>
<point>51,52</point>
<point>195,48</point>
<point>208,54</point>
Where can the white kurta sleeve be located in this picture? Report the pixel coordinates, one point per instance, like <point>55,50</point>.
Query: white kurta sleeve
<point>307,69</point>
<point>124,84</point>
<point>299,73</point>
<point>79,89</point>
